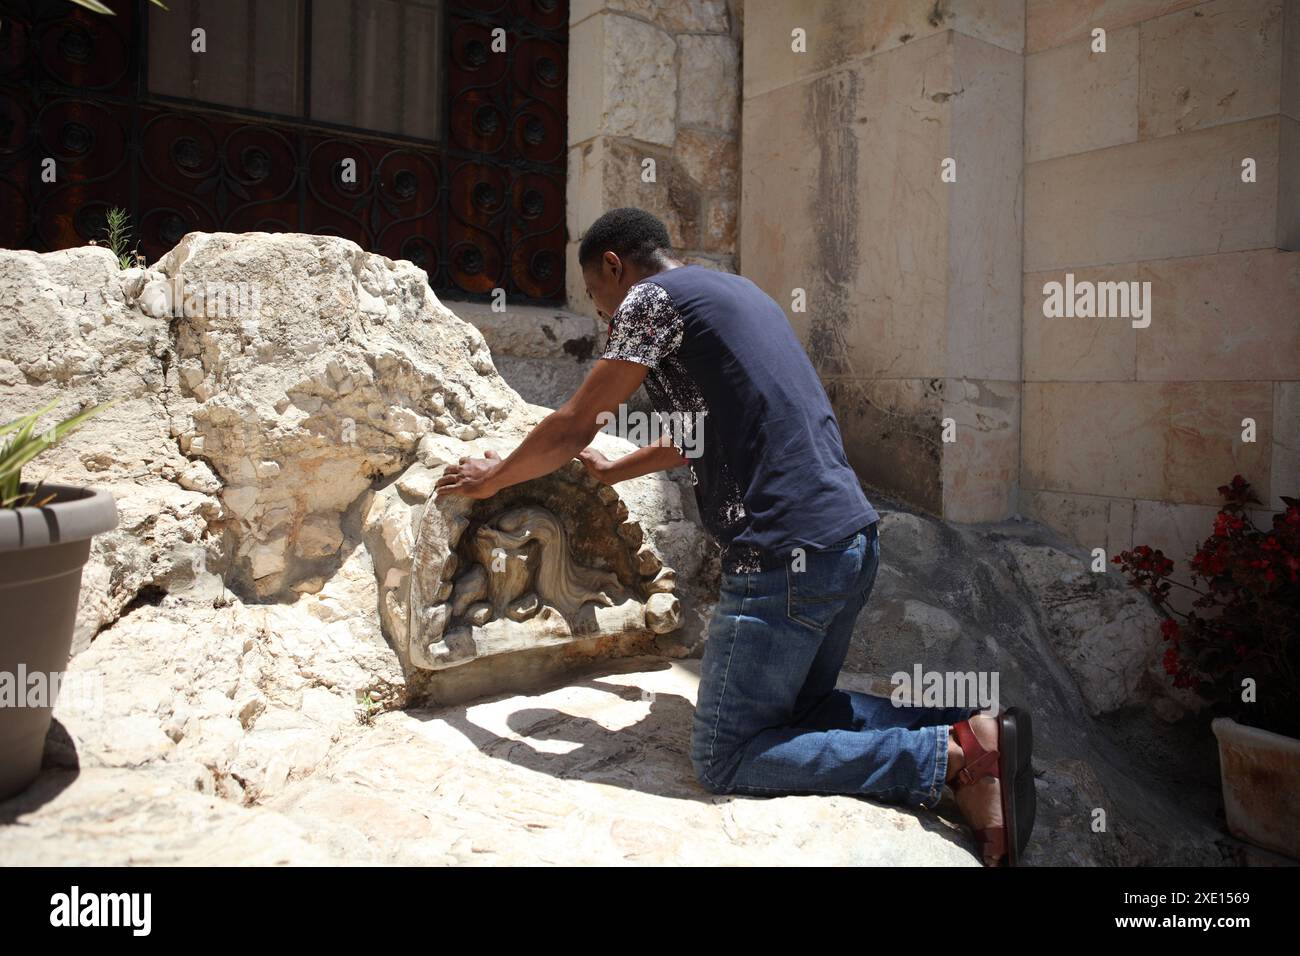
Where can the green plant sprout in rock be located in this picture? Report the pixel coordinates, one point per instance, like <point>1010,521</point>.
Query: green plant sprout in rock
<point>117,233</point>
<point>1243,630</point>
<point>25,443</point>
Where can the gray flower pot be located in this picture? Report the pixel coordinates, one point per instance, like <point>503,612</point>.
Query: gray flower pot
<point>42,551</point>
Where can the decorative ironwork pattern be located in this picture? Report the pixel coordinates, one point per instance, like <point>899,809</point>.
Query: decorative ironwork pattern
<point>482,209</point>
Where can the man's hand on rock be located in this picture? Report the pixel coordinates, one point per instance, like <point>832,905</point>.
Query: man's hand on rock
<point>471,477</point>
<point>597,465</point>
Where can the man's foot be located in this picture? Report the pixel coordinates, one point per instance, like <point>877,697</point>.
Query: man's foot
<point>980,801</point>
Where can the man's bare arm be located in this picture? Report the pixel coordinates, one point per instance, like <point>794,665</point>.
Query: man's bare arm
<point>660,456</point>
<point>561,435</point>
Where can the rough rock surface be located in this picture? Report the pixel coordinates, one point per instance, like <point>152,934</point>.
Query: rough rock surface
<point>70,332</point>
<point>258,705</point>
<point>249,430</point>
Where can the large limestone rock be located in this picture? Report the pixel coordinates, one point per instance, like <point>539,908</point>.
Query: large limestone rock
<point>285,401</point>
<point>302,405</point>
<point>70,332</point>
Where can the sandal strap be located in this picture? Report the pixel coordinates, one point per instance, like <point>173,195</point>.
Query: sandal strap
<point>980,768</point>
<point>977,759</point>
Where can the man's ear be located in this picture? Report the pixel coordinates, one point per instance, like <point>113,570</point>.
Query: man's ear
<point>613,265</point>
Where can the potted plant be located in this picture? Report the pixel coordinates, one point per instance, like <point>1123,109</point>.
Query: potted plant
<point>1238,646</point>
<point>45,533</point>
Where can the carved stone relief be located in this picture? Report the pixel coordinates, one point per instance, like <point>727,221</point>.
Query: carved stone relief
<point>549,561</point>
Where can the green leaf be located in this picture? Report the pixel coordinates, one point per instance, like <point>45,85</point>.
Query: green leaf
<point>95,6</point>
<point>26,444</point>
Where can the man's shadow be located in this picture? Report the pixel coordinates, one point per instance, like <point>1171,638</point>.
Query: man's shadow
<point>650,756</point>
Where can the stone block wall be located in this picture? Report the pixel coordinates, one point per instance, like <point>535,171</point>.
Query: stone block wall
<point>1133,173</point>
<point>655,80</point>
<point>816,170</point>
<point>910,283</point>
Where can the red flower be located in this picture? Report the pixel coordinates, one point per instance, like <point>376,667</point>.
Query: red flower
<point>1245,580</point>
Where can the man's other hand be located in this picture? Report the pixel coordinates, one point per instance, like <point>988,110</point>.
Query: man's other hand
<point>471,477</point>
<point>597,464</point>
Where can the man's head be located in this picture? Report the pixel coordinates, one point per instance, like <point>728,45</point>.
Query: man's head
<point>620,248</point>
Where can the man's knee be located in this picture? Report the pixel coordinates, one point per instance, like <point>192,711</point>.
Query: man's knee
<point>712,771</point>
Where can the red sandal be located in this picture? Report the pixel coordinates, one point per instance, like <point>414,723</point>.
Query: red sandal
<point>1010,763</point>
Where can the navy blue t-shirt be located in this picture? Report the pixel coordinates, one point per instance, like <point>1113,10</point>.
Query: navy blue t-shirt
<point>772,474</point>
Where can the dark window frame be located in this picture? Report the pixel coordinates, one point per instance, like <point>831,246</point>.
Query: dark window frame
<point>498,217</point>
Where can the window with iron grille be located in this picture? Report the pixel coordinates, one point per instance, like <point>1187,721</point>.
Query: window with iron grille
<point>399,124</point>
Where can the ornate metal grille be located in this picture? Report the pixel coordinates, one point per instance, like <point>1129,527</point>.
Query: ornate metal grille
<point>481,208</point>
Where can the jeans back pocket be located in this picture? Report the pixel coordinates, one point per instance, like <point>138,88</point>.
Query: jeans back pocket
<point>818,586</point>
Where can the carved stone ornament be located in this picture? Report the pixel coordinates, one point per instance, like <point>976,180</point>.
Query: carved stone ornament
<point>549,561</point>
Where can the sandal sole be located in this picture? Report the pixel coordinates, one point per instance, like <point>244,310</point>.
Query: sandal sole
<point>1019,798</point>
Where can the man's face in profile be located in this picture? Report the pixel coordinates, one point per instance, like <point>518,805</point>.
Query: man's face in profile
<point>607,281</point>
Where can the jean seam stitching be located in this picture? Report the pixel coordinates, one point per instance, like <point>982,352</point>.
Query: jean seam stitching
<point>940,760</point>
<point>722,689</point>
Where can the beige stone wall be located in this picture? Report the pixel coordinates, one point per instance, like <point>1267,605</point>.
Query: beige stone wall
<point>1133,173</point>
<point>655,80</point>
<point>923,298</point>
<point>912,283</point>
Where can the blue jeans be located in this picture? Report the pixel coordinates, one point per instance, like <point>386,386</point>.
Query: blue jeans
<point>769,720</point>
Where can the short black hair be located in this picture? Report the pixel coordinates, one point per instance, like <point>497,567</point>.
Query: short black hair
<point>630,233</point>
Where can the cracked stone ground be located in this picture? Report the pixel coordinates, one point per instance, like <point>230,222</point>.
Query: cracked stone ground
<point>595,772</point>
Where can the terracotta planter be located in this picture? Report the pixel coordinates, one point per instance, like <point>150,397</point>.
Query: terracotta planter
<point>1261,785</point>
<point>42,551</point>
